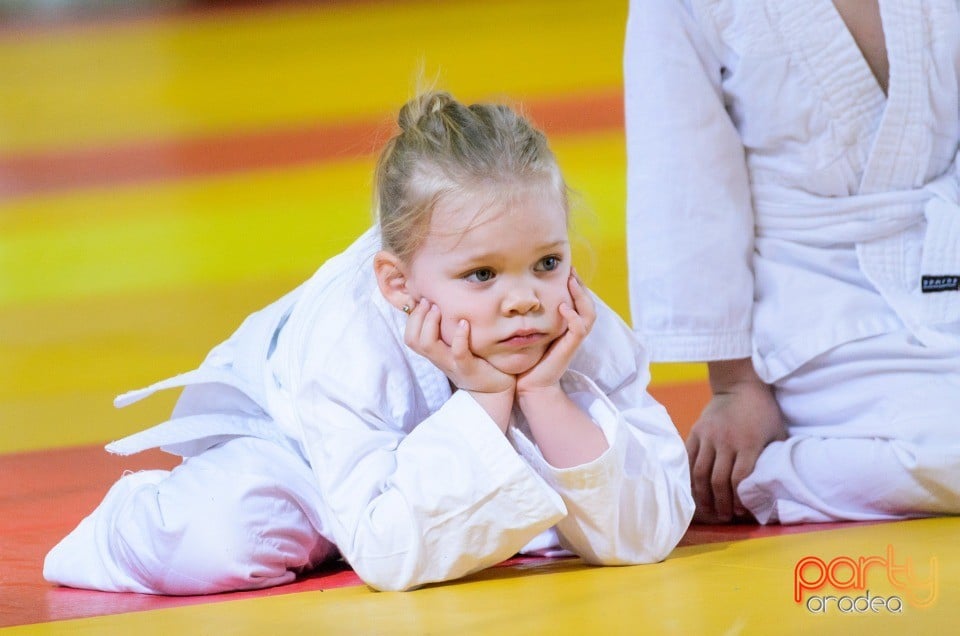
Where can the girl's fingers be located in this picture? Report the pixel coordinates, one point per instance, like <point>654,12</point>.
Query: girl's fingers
<point>575,282</point>
<point>460,346</point>
<point>431,325</point>
<point>422,333</point>
<point>558,355</point>
<point>468,371</point>
<point>582,301</point>
<point>576,325</point>
<point>414,328</point>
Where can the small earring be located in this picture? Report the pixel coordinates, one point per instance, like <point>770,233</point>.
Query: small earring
<point>406,309</point>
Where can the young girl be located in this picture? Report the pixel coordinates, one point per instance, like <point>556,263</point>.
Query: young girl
<point>441,395</point>
<point>795,222</point>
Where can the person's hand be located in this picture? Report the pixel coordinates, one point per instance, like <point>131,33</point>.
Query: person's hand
<point>724,444</point>
<point>456,360</point>
<point>564,433</point>
<point>579,318</point>
<point>493,389</point>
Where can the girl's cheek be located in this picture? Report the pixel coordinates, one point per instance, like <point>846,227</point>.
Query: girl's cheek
<point>448,327</point>
<point>562,295</point>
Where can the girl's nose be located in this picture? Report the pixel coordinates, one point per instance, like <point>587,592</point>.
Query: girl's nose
<point>521,300</point>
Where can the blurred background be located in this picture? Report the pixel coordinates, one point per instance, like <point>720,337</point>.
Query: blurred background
<point>168,167</point>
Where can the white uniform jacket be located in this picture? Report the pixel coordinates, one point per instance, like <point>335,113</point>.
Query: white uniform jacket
<point>418,485</point>
<point>780,204</point>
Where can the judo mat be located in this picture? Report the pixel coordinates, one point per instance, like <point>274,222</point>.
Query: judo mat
<point>165,169</point>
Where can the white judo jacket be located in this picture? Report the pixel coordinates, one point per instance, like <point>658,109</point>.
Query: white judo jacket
<point>780,204</point>
<point>417,484</point>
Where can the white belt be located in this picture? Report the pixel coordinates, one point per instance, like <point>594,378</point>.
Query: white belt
<point>810,219</point>
<point>882,226</point>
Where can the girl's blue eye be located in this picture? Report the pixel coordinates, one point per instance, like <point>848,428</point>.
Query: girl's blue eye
<point>482,275</point>
<point>548,264</point>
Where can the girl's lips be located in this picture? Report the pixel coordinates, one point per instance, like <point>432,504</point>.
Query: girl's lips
<point>523,338</point>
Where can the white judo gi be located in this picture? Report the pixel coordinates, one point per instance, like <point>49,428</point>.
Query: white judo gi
<point>781,206</point>
<point>314,431</point>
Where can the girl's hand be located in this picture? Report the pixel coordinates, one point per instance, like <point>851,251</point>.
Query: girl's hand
<point>580,318</point>
<point>456,360</point>
<point>565,434</point>
<point>493,389</point>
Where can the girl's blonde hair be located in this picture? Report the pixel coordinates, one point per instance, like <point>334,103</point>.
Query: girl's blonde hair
<point>443,147</point>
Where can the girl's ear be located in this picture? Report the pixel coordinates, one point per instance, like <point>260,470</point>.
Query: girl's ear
<point>392,280</point>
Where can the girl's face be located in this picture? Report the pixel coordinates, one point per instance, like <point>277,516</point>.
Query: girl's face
<point>502,265</point>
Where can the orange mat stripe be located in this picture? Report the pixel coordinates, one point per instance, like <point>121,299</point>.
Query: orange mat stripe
<point>684,401</point>
<point>179,158</point>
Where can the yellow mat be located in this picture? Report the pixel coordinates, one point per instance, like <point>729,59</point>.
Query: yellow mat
<point>107,287</point>
<point>742,587</point>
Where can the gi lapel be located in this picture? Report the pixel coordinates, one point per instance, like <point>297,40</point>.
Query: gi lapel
<point>823,49</point>
<point>899,157</point>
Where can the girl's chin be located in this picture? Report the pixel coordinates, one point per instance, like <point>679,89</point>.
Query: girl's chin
<point>516,363</point>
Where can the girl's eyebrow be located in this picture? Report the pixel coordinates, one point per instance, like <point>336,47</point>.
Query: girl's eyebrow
<point>479,257</point>
<point>553,245</point>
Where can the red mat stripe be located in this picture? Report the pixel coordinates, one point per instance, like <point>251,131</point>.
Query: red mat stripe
<point>30,20</point>
<point>43,494</point>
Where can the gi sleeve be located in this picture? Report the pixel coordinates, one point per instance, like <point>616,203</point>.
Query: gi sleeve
<point>449,498</point>
<point>689,216</point>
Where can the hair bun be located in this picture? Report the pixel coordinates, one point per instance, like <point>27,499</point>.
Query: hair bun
<point>422,106</point>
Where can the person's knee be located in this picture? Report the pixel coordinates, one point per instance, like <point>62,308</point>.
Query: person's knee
<point>211,542</point>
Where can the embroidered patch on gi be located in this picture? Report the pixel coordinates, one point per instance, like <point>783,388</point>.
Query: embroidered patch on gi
<point>930,284</point>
